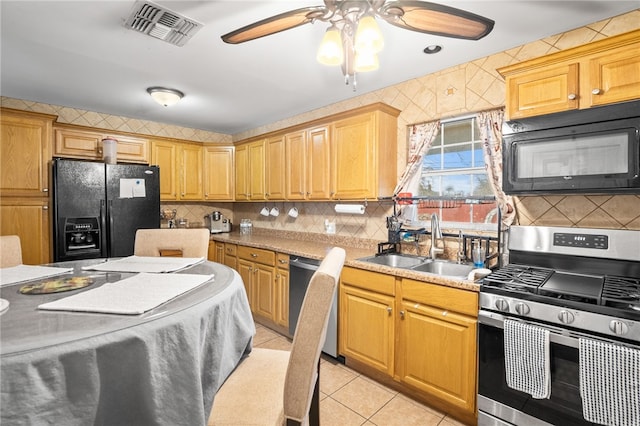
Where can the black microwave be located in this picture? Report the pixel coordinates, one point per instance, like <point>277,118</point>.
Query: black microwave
<point>593,151</point>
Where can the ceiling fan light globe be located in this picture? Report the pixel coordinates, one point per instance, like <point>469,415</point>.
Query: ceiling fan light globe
<point>331,51</point>
<point>366,61</point>
<point>368,35</point>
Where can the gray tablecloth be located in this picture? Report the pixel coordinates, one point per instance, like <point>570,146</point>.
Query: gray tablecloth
<point>161,368</point>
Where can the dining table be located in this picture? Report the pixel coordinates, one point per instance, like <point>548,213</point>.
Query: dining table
<point>159,367</point>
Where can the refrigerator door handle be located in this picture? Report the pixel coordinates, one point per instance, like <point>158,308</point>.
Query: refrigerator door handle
<point>103,233</point>
<point>111,227</point>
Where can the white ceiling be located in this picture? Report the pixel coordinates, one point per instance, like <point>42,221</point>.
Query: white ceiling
<point>79,54</point>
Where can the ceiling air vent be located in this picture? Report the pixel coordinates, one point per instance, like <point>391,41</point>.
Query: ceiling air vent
<point>158,22</point>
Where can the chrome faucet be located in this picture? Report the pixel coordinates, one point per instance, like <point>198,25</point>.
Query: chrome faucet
<point>461,256</point>
<point>436,234</point>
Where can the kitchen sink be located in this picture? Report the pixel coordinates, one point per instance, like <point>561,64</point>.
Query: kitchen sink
<point>421,264</point>
<point>395,260</point>
<point>440,267</point>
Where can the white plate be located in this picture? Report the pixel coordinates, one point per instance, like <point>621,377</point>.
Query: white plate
<point>4,305</point>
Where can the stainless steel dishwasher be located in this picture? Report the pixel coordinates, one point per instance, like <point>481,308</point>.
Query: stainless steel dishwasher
<point>300,271</point>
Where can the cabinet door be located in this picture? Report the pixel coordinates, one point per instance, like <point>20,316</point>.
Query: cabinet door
<point>218,173</point>
<point>230,258</point>
<point>191,172</point>
<point>87,144</point>
<point>366,327</point>
<point>437,353</point>
<point>28,218</point>
<point>245,269</point>
<point>318,164</point>
<point>264,293</point>
<point>296,167</point>
<point>354,158</point>
<point>218,252</point>
<point>24,154</point>
<point>275,168</point>
<point>282,290</point>
<point>164,155</point>
<point>256,171</point>
<point>543,91</point>
<point>615,76</point>
<point>242,172</point>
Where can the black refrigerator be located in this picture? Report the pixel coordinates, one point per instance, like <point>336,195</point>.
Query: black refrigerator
<point>98,207</point>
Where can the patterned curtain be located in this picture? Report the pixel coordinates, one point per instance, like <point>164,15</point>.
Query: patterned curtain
<point>420,140</point>
<point>490,123</point>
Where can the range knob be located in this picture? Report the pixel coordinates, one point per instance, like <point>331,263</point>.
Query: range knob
<point>502,305</point>
<point>618,327</point>
<point>566,317</point>
<point>522,308</point>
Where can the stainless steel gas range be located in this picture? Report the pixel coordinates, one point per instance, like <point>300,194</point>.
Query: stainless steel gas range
<point>561,320</point>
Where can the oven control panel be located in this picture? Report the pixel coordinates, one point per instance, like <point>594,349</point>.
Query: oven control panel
<point>581,240</point>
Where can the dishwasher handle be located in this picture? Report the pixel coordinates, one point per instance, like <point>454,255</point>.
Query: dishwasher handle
<point>308,264</point>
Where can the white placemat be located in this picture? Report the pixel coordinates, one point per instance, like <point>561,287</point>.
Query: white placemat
<point>22,273</point>
<point>146,264</point>
<point>131,296</point>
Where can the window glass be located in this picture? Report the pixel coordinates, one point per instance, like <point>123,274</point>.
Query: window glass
<point>453,173</point>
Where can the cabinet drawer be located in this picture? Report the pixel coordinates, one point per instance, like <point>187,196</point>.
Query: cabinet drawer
<point>462,301</point>
<point>368,280</point>
<point>230,249</point>
<point>282,261</point>
<point>266,257</point>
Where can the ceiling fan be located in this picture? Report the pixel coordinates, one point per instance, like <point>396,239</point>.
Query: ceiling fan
<point>345,16</point>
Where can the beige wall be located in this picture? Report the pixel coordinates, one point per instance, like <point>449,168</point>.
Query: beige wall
<point>466,88</point>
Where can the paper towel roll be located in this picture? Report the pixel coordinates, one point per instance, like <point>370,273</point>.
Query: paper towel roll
<point>350,208</point>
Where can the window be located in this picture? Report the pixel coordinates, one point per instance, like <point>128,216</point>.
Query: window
<point>453,182</point>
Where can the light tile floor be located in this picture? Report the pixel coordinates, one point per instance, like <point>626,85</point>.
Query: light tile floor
<point>349,398</point>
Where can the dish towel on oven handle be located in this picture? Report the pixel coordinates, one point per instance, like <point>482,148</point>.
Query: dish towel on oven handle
<point>527,363</point>
<point>609,383</point>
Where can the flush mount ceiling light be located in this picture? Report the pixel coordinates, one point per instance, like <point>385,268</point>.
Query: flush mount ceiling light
<point>165,97</point>
<point>353,39</point>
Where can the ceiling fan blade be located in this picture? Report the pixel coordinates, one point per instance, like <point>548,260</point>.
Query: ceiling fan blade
<point>274,24</point>
<point>437,19</point>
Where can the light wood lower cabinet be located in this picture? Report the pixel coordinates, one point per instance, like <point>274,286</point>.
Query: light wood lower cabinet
<point>366,319</point>
<point>282,290</point>
<point>230,258</point>
<point>419,334</point>
<point>257,269</point>
<point>437,352</point>
<point>29,219</point>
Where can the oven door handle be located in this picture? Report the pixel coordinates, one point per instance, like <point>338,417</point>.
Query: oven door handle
<point>493,319</point>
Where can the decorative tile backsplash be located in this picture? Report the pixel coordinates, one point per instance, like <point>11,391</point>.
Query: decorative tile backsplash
<point>459,90</point>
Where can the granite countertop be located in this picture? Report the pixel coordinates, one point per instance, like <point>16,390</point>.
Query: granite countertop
<point>300,244</point>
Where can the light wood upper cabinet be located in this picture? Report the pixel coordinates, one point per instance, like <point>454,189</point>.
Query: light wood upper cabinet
<point>164,155</point>
<point>347,156</point>
<point>180,169</point>
<point>599,73</point>
<point>25,153</point>
<point>86,143</point>
<point>250,171</point>
<point>275,170</point>
<point>318,164</point>
<point>218,173</point>
<point>295,150</point>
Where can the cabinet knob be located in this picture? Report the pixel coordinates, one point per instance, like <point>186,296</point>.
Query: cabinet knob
<point>282,261</point>
<point>45,189</point>
<point>254,255</point>
<point>389,310</point>
<point>182,194</point>
<point>572,96</point>
<point>597,91</point>
<point>402,314</point>
<point>45,207</point>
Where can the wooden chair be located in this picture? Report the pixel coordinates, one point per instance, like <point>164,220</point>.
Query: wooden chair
<point>274,387</point>
<point>172,242</point>
<point>10,251</point>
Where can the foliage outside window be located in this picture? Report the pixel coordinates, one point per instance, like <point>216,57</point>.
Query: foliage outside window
<point>452,174</point>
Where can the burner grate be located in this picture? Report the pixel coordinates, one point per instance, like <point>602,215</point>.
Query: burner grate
<point>621,290</point>
<point>518,278</point>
